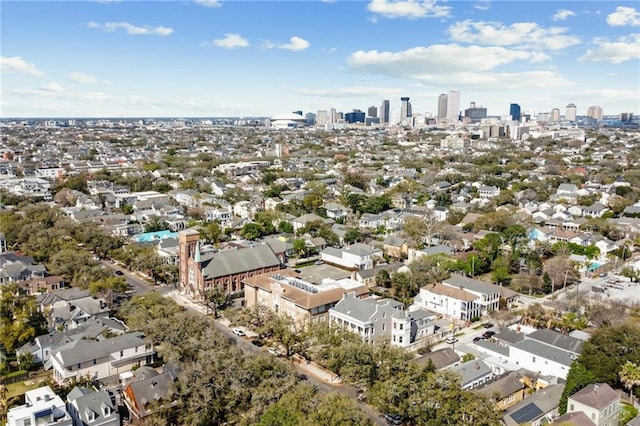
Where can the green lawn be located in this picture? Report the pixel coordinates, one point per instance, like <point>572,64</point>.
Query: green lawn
<point>16,389</point>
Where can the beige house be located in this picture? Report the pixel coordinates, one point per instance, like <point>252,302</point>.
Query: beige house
<point>285,293</point>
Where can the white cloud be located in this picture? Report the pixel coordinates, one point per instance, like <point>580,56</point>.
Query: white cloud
<point>563,14</point>
<point>614,52</point>
<point>209,3</point>
<point>130,28</point>
<point>80,77</point>
<point>435,59</point>
<point>329,50</point>
<point>51,87</point>
<point>16,64</point>
<point>411,9</point>
<point>295,44</point>
<point>523,34</point>
<point>624,16</point>
<point>356,91</point>
<point>503,81</point>
<point>231,41</point>
<point>485,5</point>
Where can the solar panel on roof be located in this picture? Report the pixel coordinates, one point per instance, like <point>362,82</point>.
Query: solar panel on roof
<point>527,413</point>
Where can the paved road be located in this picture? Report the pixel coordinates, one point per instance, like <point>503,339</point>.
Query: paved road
<point>250,349</point>
<point>138,285</point>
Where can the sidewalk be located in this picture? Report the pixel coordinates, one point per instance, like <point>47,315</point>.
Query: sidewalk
<point>183,300</point>
<point>315,370</point>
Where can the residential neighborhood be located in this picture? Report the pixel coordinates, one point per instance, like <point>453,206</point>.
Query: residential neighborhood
<point>508,268</point>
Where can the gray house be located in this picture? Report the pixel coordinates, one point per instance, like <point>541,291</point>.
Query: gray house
<point>88,407</point>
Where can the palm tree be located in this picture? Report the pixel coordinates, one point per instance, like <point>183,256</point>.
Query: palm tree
<point>630,377</point>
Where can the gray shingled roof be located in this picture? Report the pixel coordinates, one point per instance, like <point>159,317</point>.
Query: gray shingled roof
<point>470,284</point>
<point>85,350</point>
<point>504,386</point>
<point>235,262</point>
<point>471,370</point>
<point>95,401</point>
<point>559,340</point>
<point>598,395</point>
<point>544,351</point>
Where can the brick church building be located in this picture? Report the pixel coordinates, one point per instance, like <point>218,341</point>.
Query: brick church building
<point>225,269</point>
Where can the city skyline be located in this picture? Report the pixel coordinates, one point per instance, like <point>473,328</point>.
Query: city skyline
<point>211,58</point>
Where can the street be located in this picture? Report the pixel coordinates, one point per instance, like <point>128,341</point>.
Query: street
<point>250,349</point>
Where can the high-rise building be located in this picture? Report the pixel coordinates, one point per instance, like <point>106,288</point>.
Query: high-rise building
<point>474,114</point>
<point>333,116</point>
<point>571,112</point>
<point>355,116</point>
<point>311,119</point>
<point>372,112</point>
<point>514,112</point>
<point>595,112</point>
<point>554,117</point>
<point>453,106</point>
<point>322,117</point>
<point>384,112</point>
<point>442,106</point>
<point>405,109</point>
<point>626,117</point>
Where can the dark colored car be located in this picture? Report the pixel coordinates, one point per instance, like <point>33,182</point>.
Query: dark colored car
<point>257,343</point>
<point>477,339</point>
<point>488,334</point>
<point>392,419</point>
<point>119,273</point>
<point>487,325</point>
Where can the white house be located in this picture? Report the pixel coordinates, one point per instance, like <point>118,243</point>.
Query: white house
<point>101,359</point>
<point>538,357</point>
<point>381,319</point>
<point>599,402</point>
<point>356,256</point>
<point>459,297</point>
<point>42,407</point>
<point>486,191</point>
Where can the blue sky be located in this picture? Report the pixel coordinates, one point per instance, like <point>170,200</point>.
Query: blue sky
<point>210,58</point>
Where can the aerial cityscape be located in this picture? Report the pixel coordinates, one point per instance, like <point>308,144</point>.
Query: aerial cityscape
<point>388,212</point>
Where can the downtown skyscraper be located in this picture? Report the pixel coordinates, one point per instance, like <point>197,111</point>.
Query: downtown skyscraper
<point>442,106</point>
<point>384,112</point>
<point>453,106</point>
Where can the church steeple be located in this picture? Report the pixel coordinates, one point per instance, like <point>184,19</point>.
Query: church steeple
<point>197,256</point>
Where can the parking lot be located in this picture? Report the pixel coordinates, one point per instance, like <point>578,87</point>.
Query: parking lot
<point>614,287</point>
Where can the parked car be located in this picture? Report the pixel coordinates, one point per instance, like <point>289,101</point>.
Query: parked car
<point>239,332</point>
<point>392,419</point>
<point>451,339</point>
<point>487,325</point>
<point>119,272</point>
<point>477,339</point>
<point>275,352</point>
<point>488,334</point>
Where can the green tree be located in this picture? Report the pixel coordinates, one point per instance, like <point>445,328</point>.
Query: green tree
<point>353,235</point>
<point>211,232</point>
<point>285,227</point>
<point>609,348</point>
<point>156,224</point>
<point>578,377</point>
<point>216,298</point>
<point>107,287</point>
<point>20,320</point>
<point>500,271</point>
<point>630,376</point>
<point>252,231</point>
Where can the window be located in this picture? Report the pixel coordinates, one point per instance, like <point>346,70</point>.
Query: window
<point>400,339</point>
<point>383,326</point>
<point>121,354</point>
<point>593,416</point>
<point>394,325</point>
<point>94,362</point>
<point>511,398</point>
<point>533,359</point>
<point>401,326</point>
<point>571,408</point>
<point>79,366</point>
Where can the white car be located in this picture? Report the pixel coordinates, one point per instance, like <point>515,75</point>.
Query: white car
<point>239,332</point>
<point>451,340</point>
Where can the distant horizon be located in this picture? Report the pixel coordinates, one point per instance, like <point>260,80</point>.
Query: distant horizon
<point>248,58</point>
